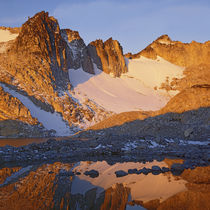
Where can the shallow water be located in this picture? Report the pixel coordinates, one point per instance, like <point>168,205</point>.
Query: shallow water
<point>47,186</point>
<point>17,142</point>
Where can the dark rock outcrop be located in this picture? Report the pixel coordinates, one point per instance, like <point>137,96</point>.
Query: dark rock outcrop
<point>78,53</point>
<point>20,129</point>
<point>120,173</point>
<point>92,173</point>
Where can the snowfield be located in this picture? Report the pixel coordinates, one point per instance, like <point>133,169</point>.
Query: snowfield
<point>6,36</point>
<point>134,90</point>
<point>49,120</point>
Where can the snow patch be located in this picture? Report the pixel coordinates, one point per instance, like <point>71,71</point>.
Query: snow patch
<point>132,91</point>
<point>165,42</point>
<point>49,120</point>
<point>153,144</point>
<point>6,35</point>
<point>129,146</point>
<point>194,142</point>
<point>152,73</point>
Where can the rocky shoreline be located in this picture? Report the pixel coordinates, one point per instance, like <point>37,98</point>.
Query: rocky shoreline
<point>113,149</point>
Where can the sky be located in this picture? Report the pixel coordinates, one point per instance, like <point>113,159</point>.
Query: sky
<point>134,23</point>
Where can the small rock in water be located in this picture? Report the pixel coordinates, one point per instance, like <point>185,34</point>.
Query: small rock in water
<point>63,172</point>
<point>132,171</point>
<point>165,169</point>
<point>92,173</point>
<point>120,173</point>
<point>144,171</point>
<point>156,170</point>
<point>177,168</point>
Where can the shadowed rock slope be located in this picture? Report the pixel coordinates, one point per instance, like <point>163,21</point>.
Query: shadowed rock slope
<point>187,101</point>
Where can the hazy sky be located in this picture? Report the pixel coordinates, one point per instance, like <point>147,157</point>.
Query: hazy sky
<point>134,23</point>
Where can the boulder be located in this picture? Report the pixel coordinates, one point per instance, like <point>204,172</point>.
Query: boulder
<point>177,168</point>
<point>120,173</point>
<point>92,173</point>
<point>156,170</point>
<point>132,171</point>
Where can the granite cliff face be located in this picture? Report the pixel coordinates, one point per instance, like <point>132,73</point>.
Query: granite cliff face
<point>108,56</point>
<point>40,37</point>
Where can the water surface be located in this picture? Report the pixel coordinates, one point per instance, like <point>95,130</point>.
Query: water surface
<point>47,186</point>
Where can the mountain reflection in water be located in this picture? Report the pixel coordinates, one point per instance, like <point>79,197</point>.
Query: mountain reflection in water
<point>54,186</point>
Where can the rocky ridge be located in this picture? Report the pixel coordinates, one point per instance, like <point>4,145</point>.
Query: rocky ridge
<point>14,30</point>
<point>176,52</point>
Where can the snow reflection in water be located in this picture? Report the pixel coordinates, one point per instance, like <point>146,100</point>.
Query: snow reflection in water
<point>58,186</point>
<point>143,187</point>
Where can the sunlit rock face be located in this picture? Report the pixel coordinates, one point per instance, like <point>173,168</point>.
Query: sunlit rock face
<point>16,119</point>
<point>182,54</point>
<point>110,53</point>
<point>188,99</point>
<point>41,37</point>
<point>12,108</point>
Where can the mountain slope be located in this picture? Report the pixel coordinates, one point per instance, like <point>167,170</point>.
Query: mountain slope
<point>176,52</point>
<point>67,85</point>
<point>134,90</point>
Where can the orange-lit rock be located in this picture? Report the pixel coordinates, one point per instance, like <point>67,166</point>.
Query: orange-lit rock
<point>111,56</point>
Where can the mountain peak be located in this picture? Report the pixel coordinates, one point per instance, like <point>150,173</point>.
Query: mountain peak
<point>111,56</point>
<point>71,35</point>
<point>164,39</point>
<point>42,15</point>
